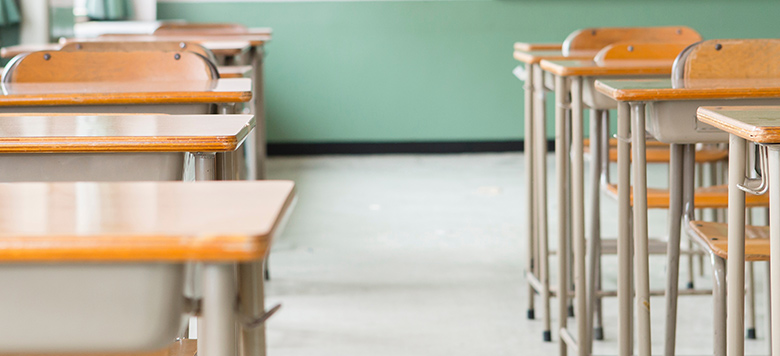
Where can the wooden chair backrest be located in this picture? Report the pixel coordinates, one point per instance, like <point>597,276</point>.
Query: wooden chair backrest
<point>134,46</point>
<point>67,67</point>
<point>728,59</point>
<point>594,39</point>
<point>641,51</point>
<point>200,28</point>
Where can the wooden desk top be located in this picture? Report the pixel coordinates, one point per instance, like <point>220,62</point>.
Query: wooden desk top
<point>533,57</point>
<point>590,68</point>
<point>232,90</point>
<point>140,221</point>
<point>253,39</point>
<point>219,48</point>
<point>662,90</point>
<point>70,133</point>
<point>528,46</point>
<point>759,124</point>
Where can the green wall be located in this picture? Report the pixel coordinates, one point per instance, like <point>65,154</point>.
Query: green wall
<point>9,36</point>
<point>372,71</point>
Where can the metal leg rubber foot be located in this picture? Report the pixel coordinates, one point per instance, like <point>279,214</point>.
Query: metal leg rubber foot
<point>598,333</point>
<point>751,333</point>
<point>571,311</point>
<point>690,285</point>
<point>547,336</point>
<point>530,314</point>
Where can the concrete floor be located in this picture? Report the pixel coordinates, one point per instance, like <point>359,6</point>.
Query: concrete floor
<point>424,255</point>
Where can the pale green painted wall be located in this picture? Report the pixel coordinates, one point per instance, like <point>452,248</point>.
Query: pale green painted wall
<point>370,71</point>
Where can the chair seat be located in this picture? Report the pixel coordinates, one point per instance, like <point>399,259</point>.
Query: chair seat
<point>713,197</point>
<point>715,237</point>
<point>658,152</point>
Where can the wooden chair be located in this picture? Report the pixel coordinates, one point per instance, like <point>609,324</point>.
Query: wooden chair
<point>595,39</point>
<point>727,61</point>
<point>70,67</point>
<point>640,51</point>
<point>231,71</point>
<point>201,28</point>
<point>713,238</point>
<point>113,46</point>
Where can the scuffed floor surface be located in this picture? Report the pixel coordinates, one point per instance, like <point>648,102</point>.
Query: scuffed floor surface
<point>424,255</point>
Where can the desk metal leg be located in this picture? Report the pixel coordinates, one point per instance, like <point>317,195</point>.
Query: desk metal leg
<point>570,206</point>
<point>598,331</point>
<point>540,153</point>
<point>257,55</point>
<point>736,262</point>
<point>673,247</point>
<point>595,215</point>
<point>774,243</point>
<point>217,336</point>
<point>719,305</point>
<point>723,176</point>
<point>561,157</point>
<point>769,295</point>
<point>750,294</point>
<point>205,165</point>
<point>581,310</point>
<point>625,317</point>
<point>641,267</point>
<point>528,144</point>
<point>252,306</point>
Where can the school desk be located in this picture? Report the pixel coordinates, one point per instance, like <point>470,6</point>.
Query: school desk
<point>172,97</point>
<point>115,147</point>
<point>118,267</point>
<point>576,78</point>
<point>671,119</point>
<point>535,148</point>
